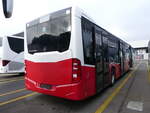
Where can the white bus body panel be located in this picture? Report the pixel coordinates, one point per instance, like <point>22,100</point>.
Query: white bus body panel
<point>75,48</point>
<point>16,64</point>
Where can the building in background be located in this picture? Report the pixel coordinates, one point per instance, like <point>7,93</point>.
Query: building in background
<point>149,53</point>
<point>141,53</point>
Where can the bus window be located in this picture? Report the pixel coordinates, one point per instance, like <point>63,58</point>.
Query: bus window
<point>50,35</point>
<point>16,44</point>
<point>87,41</point>
<point>113,51</point>
<point>113,56</point>
<point>98,50</point>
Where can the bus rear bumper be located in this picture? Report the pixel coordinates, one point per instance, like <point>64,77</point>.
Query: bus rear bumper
<point>67,91</point>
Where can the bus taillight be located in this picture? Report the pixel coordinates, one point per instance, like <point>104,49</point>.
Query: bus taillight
<point>5,62</point>
<point>76,71</point>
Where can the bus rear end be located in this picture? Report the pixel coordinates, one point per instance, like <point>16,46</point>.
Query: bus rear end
<point>3,62</point>
<point>12,55</point>
<point>50,66</point>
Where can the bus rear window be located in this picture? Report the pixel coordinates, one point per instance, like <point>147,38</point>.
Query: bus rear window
<point>50,35</point>
<point>47,42</point>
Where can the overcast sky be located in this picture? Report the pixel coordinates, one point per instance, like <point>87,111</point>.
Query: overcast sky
<point>127,19</point>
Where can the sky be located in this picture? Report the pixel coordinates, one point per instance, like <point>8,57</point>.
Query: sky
<point>127,19</point>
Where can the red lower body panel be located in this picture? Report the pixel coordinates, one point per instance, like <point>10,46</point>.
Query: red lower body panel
<point>68,91</point>
<point>60,80</point>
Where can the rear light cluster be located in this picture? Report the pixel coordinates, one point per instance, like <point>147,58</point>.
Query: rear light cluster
<point>5,62</point>
<point>76,73</point>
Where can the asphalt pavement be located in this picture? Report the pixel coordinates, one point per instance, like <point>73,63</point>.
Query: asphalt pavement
<point>130,94</point>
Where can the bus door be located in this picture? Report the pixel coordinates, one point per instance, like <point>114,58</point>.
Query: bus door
<point>130,56</point>
<point>105,61</point>
<point>98,61</point>
<point>121,54</point>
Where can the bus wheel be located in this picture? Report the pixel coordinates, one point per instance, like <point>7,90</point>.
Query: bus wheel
<point>113,77</point>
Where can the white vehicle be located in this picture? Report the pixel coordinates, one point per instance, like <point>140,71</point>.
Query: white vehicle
<point>11,54</point>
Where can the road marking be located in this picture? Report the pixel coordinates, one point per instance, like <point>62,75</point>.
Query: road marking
<point>4,75</point>
<point>12,92</point>
<point>18,98</point>
<point>4,82</point>
<point>135,105</point>
<point>115,92</point>
<point>7,79</point>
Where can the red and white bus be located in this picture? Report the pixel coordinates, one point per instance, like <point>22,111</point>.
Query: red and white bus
<point>69,56</point>
<point>149,54</point>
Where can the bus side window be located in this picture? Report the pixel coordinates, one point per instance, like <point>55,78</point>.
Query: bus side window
<point>88,43</point>
<point>105,54</point>
<point>113,51</point>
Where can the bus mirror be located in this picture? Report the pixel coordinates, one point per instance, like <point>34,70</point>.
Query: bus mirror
<point>7,8</point>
